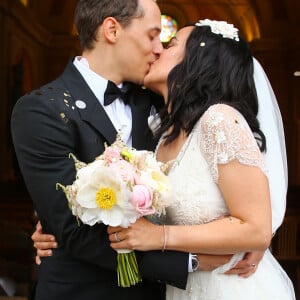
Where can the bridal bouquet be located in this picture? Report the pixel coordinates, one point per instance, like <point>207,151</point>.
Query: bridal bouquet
<point>118,187</point>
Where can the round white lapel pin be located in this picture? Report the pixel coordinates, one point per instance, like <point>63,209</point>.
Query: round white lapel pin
<point>80,104</point>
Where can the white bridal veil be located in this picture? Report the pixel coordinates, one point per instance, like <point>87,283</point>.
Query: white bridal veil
<point>271,124</point>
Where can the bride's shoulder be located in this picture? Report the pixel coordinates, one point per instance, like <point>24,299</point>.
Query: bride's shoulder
<point>217,113</point>
<point>221,109</point>
<point>221,116</point>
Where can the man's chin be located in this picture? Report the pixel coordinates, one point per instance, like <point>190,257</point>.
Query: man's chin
<point>140,81</point>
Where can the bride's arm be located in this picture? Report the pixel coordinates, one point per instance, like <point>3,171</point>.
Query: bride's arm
<point>245,190</point>
<point>246,193</point>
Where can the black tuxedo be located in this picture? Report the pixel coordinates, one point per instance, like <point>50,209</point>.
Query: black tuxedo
<point>47,125</point>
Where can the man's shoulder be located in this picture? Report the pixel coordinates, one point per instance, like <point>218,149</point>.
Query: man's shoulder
<point>52,91</point>
<point>51,97</point>
<point>53,88</point>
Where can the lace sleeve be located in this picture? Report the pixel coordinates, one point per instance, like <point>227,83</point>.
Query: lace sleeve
<point>224,136</point>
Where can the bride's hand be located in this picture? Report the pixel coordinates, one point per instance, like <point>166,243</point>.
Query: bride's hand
<point>142,235</point>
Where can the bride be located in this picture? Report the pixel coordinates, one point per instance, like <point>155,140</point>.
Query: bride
<point>219,164</point>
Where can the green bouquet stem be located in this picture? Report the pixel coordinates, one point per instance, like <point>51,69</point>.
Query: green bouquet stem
<point>128,272</point>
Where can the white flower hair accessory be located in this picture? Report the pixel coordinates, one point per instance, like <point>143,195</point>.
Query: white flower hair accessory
<point>220,27</point>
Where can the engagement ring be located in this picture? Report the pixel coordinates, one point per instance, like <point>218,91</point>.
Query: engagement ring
<point>116,237</point>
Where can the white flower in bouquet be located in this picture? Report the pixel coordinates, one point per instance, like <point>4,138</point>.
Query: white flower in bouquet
<point>104,198</point>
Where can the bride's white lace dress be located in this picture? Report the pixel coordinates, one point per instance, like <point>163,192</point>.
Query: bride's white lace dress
<point>221,135</point>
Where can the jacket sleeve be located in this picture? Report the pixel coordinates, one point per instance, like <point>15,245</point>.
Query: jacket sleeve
<point>170,267</point>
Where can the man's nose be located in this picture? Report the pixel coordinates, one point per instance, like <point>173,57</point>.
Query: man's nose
<point>158,48</point>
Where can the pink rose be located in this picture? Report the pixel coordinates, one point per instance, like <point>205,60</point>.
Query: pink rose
<point>141,199</point>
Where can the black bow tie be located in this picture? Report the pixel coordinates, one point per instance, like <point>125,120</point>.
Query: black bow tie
<point>113,92</point>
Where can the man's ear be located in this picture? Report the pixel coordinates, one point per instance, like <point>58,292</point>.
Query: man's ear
<point>110,28</point>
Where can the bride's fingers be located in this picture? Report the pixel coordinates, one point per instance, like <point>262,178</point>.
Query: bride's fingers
<point>114,237</point>
<point>123,244</point>
<point>111,229</point>
<point>118,241</point>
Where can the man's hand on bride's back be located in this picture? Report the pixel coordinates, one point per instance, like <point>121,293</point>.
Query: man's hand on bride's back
<point>247,266</point>
<point>208,262</point>
<point>243,268</point>
<point>44,243</point>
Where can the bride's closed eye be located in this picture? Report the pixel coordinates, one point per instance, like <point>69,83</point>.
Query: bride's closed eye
<point>168,45</point>
<point>171,43</point>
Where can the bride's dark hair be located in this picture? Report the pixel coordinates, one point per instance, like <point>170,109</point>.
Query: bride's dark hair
<point>214,70</point>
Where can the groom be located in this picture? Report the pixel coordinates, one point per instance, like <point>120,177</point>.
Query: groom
<point>120,41</point>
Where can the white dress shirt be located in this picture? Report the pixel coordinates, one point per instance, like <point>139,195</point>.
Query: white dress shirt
<point>118,112</point>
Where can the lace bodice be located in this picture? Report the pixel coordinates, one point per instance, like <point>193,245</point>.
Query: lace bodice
<point>221,135</point>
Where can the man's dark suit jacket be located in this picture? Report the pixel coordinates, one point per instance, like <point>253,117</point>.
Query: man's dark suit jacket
<point>48,124</point>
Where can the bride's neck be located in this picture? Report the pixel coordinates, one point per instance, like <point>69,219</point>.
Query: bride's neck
<point>169,152</point>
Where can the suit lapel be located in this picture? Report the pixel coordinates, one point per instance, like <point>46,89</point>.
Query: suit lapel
<point>93,113</point>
